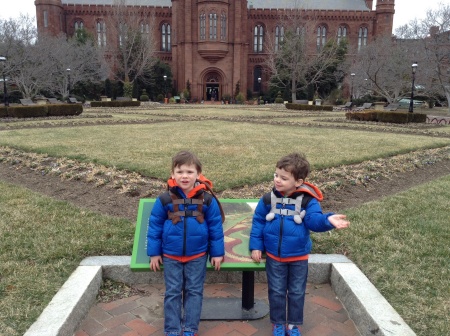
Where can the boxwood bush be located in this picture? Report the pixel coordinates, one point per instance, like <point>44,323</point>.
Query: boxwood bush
<point>387,116</point>
<point>115,103</point>
<point>306,107</point>
<point>40,111</point>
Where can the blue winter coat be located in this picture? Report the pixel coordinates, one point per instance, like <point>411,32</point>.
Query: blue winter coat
<point>282,237</point>
<point>187,237</point>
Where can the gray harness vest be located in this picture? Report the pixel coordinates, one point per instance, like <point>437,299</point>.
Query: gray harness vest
<point>297,213</point>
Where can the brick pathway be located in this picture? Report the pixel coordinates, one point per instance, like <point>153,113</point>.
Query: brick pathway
<point>143,314</point>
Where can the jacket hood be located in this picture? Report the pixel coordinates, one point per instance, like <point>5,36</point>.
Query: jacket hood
<point>202,183</point>
<point>307,188</point>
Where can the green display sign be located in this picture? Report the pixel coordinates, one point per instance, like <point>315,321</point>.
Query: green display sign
<point>238,213</point>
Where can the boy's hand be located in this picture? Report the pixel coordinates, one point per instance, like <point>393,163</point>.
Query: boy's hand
<point>216,261</point>
<point>256,255</point>
<point>155,261</point>
<point>339,221</point>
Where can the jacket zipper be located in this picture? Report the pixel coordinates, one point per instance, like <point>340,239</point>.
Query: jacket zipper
<point>281,233</point>
<point>184,233</point>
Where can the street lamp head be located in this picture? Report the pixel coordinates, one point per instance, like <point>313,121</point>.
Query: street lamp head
<point>165,77</point>
<point>352,74</point>
<point>2,59</point>
<point>259,79</point>
<point>414,67</point>
<point>68,69</point>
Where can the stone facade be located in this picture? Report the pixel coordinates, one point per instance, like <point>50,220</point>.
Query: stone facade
<point>212,43</point>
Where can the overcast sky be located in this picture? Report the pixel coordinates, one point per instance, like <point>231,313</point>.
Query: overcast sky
<point>405,10</point>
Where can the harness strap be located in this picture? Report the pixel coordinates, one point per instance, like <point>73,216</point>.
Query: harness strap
<point>297,213</point>
<point>175,216</point>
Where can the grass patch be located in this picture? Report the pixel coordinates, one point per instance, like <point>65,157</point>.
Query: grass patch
<point>402,244</point>
<point>224,147</point>
<point>42,242</point>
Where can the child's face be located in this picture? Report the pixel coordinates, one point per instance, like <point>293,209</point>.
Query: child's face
<point>285,182</point>
<point>185,176</point>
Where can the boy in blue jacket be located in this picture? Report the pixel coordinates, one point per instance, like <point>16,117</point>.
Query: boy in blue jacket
<point>281,224</point>
<point>185,226</point>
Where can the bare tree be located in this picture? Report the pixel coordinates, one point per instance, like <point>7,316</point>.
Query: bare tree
<point>383,68</point>
<point>70,61</point>
<point>23,66</point>
<point>290,60</point>
<point>133,52</point>
<point>432,36</point>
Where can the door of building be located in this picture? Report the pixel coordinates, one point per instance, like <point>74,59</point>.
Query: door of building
<point>212,92</point>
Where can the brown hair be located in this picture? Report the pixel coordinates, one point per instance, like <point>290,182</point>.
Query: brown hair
<point>296,164</point>
<point>186,157</point>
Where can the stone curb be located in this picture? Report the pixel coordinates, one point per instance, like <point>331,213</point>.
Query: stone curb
<point>368,309</point>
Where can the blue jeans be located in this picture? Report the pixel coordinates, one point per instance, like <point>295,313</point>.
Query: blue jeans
<point>287,285</point>
<point>184,285</point>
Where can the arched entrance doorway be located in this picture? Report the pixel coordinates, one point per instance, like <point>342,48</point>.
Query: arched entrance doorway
<point>213,86</point>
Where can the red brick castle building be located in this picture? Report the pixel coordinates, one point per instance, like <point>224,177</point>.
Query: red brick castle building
<point>217,43</point>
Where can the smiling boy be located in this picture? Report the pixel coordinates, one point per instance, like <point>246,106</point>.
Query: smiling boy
<point>281,227</point>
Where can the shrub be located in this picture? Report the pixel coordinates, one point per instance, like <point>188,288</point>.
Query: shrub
<point>388,117</point>
<point>64,109</point>
<point>27,111</point>
<point>306,107</point>
<point>240,98</point>
<point>115,103</point>
<point>144,96</point>
<point>160,98</point>
<point>3,112</point>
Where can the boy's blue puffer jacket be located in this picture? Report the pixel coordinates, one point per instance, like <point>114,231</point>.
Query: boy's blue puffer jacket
<point>187,237</point>
<point>282,237</point>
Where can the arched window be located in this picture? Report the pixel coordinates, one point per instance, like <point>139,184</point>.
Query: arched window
<point>362,37</point>
<point>321,37</point>
<point>341,33</point>
<point>258,38</point>
<point>78,25</point>
<point>101,33</point>
<point>166,44</point>
<point>203,26</point>
<point>223,26</point>
<point>213,26</point>
<point>279,36</point>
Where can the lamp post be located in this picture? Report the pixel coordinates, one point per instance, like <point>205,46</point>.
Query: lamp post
<point>351,90</point>
<point>68,82</point>
<point>165,86</point>
<point>260,92</point>
<point>411,102</point>
<point>5,91</point>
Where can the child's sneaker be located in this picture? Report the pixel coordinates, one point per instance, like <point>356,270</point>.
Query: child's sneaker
<point>293,332</point>
<point>189,333</point>
<point>278,330</point>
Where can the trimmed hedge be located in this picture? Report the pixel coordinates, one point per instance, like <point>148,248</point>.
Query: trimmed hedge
<point>115,103</point>
<point>306,107</point>
<point>39,111</point>
<point>394,117</point>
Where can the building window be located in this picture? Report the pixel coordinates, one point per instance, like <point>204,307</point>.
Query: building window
<point>203,26</point>
<point>362,37</point>
<point>321,37</point>
<point>257,73</point>
<point>45,19</point>
<point>166,43</point>
<point>213,26</point>
<point>223,27</point>
<point>122,33</point>
<point>101,33</point>
<point>279,36</point>
<point>144,28</point>
<point>78,25</point>
<point>258,38</point>
<point>342,33</point>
